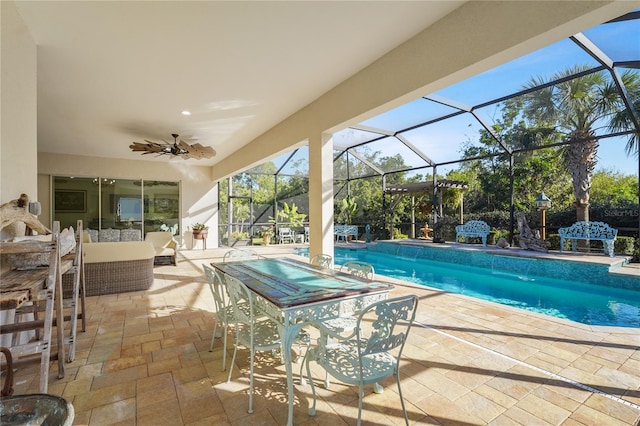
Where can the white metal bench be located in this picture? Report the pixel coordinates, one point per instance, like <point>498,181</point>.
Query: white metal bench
<point>583,230</point>
<point>343,231</point>
<point>474,228</point>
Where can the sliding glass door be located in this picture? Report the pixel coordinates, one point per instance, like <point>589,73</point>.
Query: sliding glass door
<point>103,203</point>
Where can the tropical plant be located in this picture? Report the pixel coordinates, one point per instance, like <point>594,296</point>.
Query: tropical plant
<point>621,119</point>
<point>290,216</point>
<point>348,209</point>
<point>574,108</point>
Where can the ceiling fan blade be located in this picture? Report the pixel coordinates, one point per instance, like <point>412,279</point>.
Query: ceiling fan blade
<point>203,151</point>
<point>174,149</point>
<point>207,151</point>
<point>137,146</point>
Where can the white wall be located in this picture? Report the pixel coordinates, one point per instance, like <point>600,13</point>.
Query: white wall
<point>199,195</point>
<point>18,112</point>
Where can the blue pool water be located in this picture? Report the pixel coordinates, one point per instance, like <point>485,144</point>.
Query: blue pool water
<point>583,302</point>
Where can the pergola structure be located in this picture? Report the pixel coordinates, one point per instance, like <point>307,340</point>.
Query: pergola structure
<point>432,189</point>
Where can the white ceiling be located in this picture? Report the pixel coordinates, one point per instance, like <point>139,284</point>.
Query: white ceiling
<point>113,72</point>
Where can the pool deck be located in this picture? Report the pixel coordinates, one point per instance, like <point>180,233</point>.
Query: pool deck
<point>144,360</point>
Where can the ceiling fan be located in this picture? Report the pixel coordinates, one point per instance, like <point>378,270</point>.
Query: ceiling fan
<point>177,148</point>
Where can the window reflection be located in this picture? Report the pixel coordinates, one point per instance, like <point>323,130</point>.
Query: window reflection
<point>109,203</point>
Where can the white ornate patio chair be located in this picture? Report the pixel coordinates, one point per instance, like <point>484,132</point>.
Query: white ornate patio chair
<point>240,254</point>
<point>346,322</point>
<point>224,309</point>
<point>323,260</point>
<point>359,269</point>
<point>253,331</point>
<point>372,352</point>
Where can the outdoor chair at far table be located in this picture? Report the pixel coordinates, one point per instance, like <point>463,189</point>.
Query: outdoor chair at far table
<point>359,269</point>
<point>323,260</point>
<point>240,254</point>
<point>372,352</point>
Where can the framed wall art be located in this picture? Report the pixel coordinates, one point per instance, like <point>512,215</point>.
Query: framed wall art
<point>70,201</point>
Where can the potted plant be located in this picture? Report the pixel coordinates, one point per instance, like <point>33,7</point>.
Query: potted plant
<point>267,233</point>
<point>199,230</point>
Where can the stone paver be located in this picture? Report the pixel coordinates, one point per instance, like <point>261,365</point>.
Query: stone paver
<point>144,359</point>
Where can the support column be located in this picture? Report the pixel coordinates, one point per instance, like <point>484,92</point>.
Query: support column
<point>412,234</point>
<point>321,238</point>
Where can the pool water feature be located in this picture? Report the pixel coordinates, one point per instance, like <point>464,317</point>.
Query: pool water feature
<point>540,285</point>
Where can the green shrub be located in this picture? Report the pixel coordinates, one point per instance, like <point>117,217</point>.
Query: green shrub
<point>495,219</point>
<point>554,240</point>
<point>398,235</point>
<point>624,245</point>
<point>496,234</point>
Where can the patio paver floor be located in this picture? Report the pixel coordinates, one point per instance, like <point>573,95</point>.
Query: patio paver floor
<point>144,360</point>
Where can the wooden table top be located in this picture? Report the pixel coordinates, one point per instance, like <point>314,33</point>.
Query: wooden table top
<point>288,283</point>
<point>20,286</point>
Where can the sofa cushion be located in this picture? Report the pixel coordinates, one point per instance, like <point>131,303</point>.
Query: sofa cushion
<point>93,235</point>
<point>118,251</point>
<point>130,235</point>
<point>109,235</point>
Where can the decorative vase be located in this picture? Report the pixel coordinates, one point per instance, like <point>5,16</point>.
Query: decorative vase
<point>266,239</point>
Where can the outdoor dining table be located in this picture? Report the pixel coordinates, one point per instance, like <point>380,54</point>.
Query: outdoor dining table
<point>295,293</point>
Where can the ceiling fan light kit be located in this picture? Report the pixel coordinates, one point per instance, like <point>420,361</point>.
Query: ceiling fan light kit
<point>175,149</point>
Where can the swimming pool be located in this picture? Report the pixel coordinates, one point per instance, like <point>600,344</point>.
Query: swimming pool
<point>616,304</point>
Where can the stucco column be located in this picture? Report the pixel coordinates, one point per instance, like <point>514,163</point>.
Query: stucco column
<point>18,113</point>
<point>321,194</point>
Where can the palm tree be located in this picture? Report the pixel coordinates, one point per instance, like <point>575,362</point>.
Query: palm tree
<point>621,120</point>
<point>574,107</point>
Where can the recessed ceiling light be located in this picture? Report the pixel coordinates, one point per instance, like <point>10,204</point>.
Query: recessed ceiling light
<point>186,112</point>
